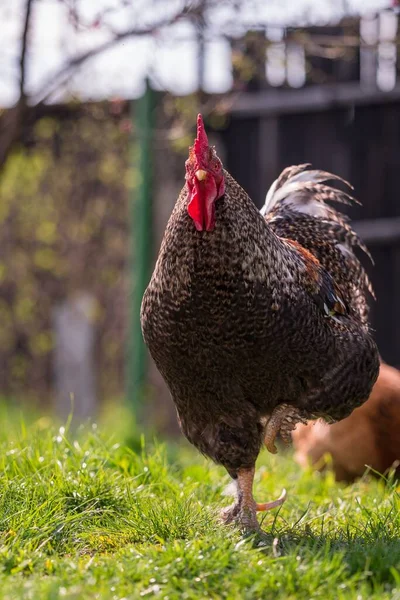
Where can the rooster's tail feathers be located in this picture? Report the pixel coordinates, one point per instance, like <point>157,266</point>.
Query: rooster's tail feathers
<point>304,190</point>
<point>301,191</point>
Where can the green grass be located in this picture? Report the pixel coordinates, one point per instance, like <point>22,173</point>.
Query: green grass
<point>82,516</point>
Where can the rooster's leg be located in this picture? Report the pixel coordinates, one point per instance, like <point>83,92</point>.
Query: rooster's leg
<point>245,508</point>
<point>283,420</point>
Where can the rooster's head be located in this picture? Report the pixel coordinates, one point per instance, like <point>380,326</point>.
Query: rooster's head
<point>204,179</point>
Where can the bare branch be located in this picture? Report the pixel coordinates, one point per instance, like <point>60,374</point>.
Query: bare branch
<point>11,121</point>
<point>64,73</point>
<point>24,48</point>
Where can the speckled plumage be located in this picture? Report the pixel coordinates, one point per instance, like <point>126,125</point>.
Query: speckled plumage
<point>243,318</point>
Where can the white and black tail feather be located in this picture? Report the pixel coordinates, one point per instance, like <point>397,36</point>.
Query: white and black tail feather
<point>302,191</point>
<point>302,188</point>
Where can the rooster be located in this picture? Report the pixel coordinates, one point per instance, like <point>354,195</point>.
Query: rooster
<point>257,321</point>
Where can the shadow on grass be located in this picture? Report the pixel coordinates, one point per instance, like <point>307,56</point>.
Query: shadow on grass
<point>376,553</point>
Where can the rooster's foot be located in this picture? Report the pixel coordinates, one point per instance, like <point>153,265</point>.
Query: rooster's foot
<point>244,517</point>
<point>244,510</point>
<point>283,420</point>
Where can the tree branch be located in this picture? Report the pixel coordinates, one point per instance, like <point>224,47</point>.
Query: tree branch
<point>24,48</point>
<point>64,73</point>
<point>11,121</point>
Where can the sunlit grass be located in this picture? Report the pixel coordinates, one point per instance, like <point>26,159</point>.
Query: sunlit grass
<point>84,516</point>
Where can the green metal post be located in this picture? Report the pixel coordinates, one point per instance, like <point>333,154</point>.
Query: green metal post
<point>141,240</point>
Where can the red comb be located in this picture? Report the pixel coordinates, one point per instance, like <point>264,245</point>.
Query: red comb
<point>201,142</point>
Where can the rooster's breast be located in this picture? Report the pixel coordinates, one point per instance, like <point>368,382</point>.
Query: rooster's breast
<point>227,335</point>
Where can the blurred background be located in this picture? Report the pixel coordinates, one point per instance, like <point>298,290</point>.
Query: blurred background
<point>98,100</point>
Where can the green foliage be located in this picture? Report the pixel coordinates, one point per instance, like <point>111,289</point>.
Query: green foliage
<point>63,228</point>
<point>82,516</point>
<point>64,219</point>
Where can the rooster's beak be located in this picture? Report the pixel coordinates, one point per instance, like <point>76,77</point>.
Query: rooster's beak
<point>201,175</point>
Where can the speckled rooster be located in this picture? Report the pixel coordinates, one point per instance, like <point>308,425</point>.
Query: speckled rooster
<point>257,320</point>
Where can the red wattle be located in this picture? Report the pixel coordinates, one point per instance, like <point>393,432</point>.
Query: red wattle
<point>195,210</point>
<point>201,206</point>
